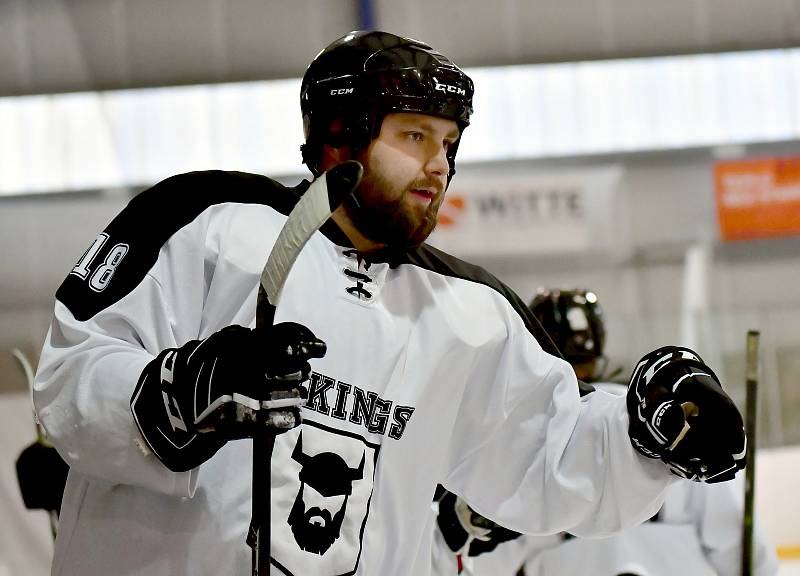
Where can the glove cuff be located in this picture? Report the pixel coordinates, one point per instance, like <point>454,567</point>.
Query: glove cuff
<point>450,526</point>
<point>165,423</point>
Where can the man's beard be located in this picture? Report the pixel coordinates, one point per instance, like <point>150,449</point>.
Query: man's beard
<point>386,221</point>
<point>315,538</point>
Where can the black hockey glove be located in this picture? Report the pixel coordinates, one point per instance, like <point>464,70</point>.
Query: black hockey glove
<point>680,414</point>
<point>191,400</point>
<point>42,475</point>
<point>467,532</point>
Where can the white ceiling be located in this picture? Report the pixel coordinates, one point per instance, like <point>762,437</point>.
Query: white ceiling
<point>76,45</point>
<point>536,111</point>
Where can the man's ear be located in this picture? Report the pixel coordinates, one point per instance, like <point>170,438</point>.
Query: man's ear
<point>332,156</point>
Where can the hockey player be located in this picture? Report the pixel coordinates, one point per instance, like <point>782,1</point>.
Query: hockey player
<point>576,323</point>
<point>417,367</point>
<point>697,531</point>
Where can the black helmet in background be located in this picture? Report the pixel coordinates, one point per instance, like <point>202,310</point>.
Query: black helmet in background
<point>365,75</point>
<point>574,320</point>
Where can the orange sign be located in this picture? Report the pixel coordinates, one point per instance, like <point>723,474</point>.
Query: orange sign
<point>453,206</point>
<point>758,198</point>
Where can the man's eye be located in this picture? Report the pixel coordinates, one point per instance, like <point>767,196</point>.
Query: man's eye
<point>416,136</point>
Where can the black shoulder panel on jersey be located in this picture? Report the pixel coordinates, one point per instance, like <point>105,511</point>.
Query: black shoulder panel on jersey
<point>129,245</point>
<point>430,258</point>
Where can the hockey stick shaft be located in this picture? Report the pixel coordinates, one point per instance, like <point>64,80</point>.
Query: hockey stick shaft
<point>25,365</point>
<point>313,209</point>
<point>751,393</point>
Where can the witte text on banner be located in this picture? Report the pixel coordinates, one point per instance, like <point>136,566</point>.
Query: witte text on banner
<point>503,212</point>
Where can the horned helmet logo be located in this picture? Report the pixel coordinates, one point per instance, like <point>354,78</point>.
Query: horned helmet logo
<point>326,482</point>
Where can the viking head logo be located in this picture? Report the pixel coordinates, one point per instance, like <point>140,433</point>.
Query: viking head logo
<point>326,482</point>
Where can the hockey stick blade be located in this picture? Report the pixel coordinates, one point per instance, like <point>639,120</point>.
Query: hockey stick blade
<point>313,209</point>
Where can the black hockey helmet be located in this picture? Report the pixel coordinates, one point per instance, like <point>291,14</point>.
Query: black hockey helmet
<point>574,320</point>
<point>365,75</point>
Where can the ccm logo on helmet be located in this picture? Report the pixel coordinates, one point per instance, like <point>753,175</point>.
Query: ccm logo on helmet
<point>451,89</point>
<point>340,91</point>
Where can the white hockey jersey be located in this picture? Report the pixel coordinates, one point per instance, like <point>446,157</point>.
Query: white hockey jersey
<point>433,375</point>
<point>697,532</point>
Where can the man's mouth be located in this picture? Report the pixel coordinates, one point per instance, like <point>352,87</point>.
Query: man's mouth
<point>425,194</point>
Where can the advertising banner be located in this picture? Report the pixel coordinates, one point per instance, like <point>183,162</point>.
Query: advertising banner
<point>758,198</point>
<point>518,213</point>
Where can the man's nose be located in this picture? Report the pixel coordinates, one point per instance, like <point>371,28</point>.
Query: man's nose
<point>437,164</point>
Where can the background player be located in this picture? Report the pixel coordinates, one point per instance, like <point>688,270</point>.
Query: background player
<point>697,531</point>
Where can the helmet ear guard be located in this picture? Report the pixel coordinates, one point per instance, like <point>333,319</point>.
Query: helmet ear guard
<point>333,130</point>
<point>363,76</point>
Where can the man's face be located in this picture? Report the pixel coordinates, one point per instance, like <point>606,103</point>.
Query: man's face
<point>316,520</point>
<point>405,176</point>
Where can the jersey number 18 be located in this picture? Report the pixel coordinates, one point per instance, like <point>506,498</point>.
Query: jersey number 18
<point>101,276</point>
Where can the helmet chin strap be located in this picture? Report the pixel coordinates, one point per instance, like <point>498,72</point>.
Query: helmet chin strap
<point>353,201</point>
<point>450,174</point>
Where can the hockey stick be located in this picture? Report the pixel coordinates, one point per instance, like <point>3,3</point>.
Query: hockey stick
<point>751,376</point>
<point>313,209</point>
<point>41,438</point>
<point>25,365</point>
